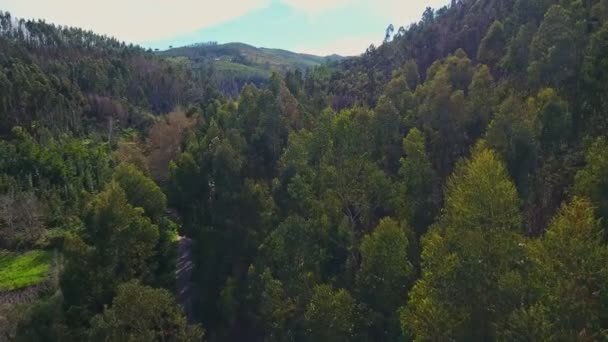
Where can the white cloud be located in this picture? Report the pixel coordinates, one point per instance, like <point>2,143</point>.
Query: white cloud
<point>134,20</point>
<point>403,12</point>
<point>349,46</point>
<point>316,6</point>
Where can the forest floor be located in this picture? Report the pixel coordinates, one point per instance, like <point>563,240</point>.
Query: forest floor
<point>183,276</point>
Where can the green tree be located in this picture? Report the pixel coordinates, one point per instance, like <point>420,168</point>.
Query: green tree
<point>141,191</point>
<point>117,245</point>
<point>572,307</point>
<point>517,56</point>
<point>513,136</point>
<point>595,75</point>
<point>418,178</point>
<point>387,127</point>
<point>482,100</point>
<point>296,252</point>
<point>274,309</point>
<point>553,119</point>
<point>120,232</point>
<point>142,313</point>
<point>441,112</point>
<point>384,277</point>
<point>44,320</point>
<point>329,315</point>
<point>592,180</point>
<point>555,49</point>
<point>480,195</point>
<point>385,271</point>
<point>492,46</point>
<point>348,174</point>
<point>470,259</point>
<point>411,74</point>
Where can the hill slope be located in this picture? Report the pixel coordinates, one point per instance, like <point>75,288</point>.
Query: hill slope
<point>239,53</point>
<point>238,63</point>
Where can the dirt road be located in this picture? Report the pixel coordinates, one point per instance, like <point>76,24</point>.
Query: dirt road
<point>183,275</point>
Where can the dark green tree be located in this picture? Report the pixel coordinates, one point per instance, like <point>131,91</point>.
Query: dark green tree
<point>141,191</point>
<point>556,48</point>
<point>141,313</point>
<point>117,244</point>
<point>329,315</point>
<point>492,46</point>
<point>418,178</point>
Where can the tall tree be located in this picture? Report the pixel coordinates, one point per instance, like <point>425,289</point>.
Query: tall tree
<point>470,259</point>
<point>592,180</point>
<point>117,244</point>
<point>555,49</point>
<point>385,276</point>
<point>492,46</point>
<point>418,178</point>
<point>569,307</point>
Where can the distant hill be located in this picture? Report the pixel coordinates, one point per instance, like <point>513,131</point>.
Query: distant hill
<point>237,63</point>
<point>240,53</point>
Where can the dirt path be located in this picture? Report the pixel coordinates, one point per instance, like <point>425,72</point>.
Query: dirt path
<point>183,275</point>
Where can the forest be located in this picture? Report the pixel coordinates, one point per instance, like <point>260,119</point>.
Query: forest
<point>450,184</point>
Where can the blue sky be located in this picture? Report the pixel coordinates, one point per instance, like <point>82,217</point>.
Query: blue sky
<point>322,27</point>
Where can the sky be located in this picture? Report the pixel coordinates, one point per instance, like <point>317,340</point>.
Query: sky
<point>321,27</point>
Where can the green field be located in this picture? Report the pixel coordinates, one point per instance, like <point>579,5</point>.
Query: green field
<point>229,69</point>
<point>22,270</point>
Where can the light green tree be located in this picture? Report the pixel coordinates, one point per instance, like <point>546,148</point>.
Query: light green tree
<point>568,282</point>
<point>592,180</point>
<point>470,258</point>
<point>385,272</point>
<point>480,195</point>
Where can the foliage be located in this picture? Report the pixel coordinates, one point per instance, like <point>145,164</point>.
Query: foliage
<point>475,126</point>
<point>591,180</point>
<point>141,191</point>
<point>572,307</point>
<point>418,180</point>
<point>480,195</point>
<point>120,235</point>
<point>492,45</point>
<point>329,315</point>
<point>385,270</point>
<point>471,258</point>
<point>141,313</point>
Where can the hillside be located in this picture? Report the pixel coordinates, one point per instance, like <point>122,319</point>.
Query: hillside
<point>450,184</point>
<point>239,53</point>
<point>242,63</point>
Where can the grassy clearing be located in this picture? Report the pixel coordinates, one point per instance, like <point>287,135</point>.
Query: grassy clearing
<point>22,270</point>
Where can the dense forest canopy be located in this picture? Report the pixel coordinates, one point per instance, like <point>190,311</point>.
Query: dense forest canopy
<point>450,184</point>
